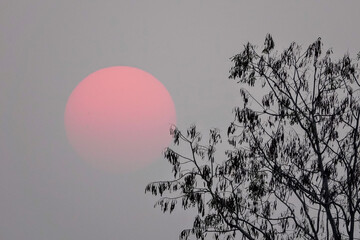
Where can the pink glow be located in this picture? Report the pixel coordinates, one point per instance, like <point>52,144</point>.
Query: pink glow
<point>118,118</point>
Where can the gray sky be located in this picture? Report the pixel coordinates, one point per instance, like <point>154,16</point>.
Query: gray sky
<point>47,47</point>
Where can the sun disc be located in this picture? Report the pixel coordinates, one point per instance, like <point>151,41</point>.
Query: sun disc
<point>118,118</point>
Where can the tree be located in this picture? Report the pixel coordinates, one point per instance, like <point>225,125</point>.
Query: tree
<point>292,170</point>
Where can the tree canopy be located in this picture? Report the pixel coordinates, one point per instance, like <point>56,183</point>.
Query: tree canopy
<point>292,168</point>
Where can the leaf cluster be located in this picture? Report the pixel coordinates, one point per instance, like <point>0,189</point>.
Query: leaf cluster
<point>292,168</point>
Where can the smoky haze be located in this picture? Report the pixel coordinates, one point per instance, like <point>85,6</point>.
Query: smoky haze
<point>48,47</point>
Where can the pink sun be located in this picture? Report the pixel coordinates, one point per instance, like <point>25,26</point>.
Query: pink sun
<point>118,118</point>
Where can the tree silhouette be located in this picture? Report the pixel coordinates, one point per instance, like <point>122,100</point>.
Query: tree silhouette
<point>292,170</point>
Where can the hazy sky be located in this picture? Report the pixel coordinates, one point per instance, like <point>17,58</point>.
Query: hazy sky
<point>47,47</point>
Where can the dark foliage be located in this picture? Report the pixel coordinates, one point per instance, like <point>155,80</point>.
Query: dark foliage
<point>292,170</point>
